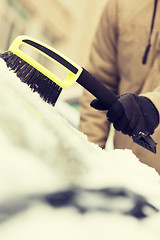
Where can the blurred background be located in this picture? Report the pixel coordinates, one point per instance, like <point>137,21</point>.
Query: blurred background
<point>67,25</point>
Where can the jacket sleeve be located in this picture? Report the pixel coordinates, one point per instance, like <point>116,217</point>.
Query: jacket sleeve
<point>103,65</point>
<point>151,88</point>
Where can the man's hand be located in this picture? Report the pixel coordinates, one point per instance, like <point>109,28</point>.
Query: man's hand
<point>131,114</point>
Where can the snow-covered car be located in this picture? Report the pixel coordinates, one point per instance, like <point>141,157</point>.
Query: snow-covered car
<point>54,184</point>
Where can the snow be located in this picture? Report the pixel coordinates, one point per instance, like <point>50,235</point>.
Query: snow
<point>43,152</point>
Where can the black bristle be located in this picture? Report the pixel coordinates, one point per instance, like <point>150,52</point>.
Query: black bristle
<point>19,66</point>
<point>14,64</point>
<point>38,82</point>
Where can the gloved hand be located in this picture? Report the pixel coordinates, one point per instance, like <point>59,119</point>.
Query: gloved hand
<point>131,114</point>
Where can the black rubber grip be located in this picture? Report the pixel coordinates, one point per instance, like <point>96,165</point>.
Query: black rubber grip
<point>107,98</point>
<point>97,89</point>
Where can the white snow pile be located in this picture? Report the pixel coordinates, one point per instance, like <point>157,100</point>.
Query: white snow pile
<point>42,153</point>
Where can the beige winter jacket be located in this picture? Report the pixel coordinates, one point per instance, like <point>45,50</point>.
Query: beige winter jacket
<point>116,60</point>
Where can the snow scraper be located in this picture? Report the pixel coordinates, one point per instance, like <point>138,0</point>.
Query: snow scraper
<point>49,86</point>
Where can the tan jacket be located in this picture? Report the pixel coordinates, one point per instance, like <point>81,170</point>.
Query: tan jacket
<point>116,60</point>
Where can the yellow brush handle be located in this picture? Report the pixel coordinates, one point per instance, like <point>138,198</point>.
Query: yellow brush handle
<point>71,77</point>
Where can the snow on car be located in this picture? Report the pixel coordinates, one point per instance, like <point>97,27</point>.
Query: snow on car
<point>56,184</point>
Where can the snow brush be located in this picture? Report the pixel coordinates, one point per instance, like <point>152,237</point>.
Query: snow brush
<point>49,86</point>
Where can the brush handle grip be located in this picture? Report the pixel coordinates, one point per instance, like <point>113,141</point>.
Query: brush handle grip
<point>97,89</point>
<point>107,98</point>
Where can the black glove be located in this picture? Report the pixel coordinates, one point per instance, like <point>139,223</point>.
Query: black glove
<point>131,114</point>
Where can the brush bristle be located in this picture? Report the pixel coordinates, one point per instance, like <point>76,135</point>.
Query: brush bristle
<point>38,82</point>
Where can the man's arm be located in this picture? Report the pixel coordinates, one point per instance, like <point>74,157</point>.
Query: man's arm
<point>103,65</point>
